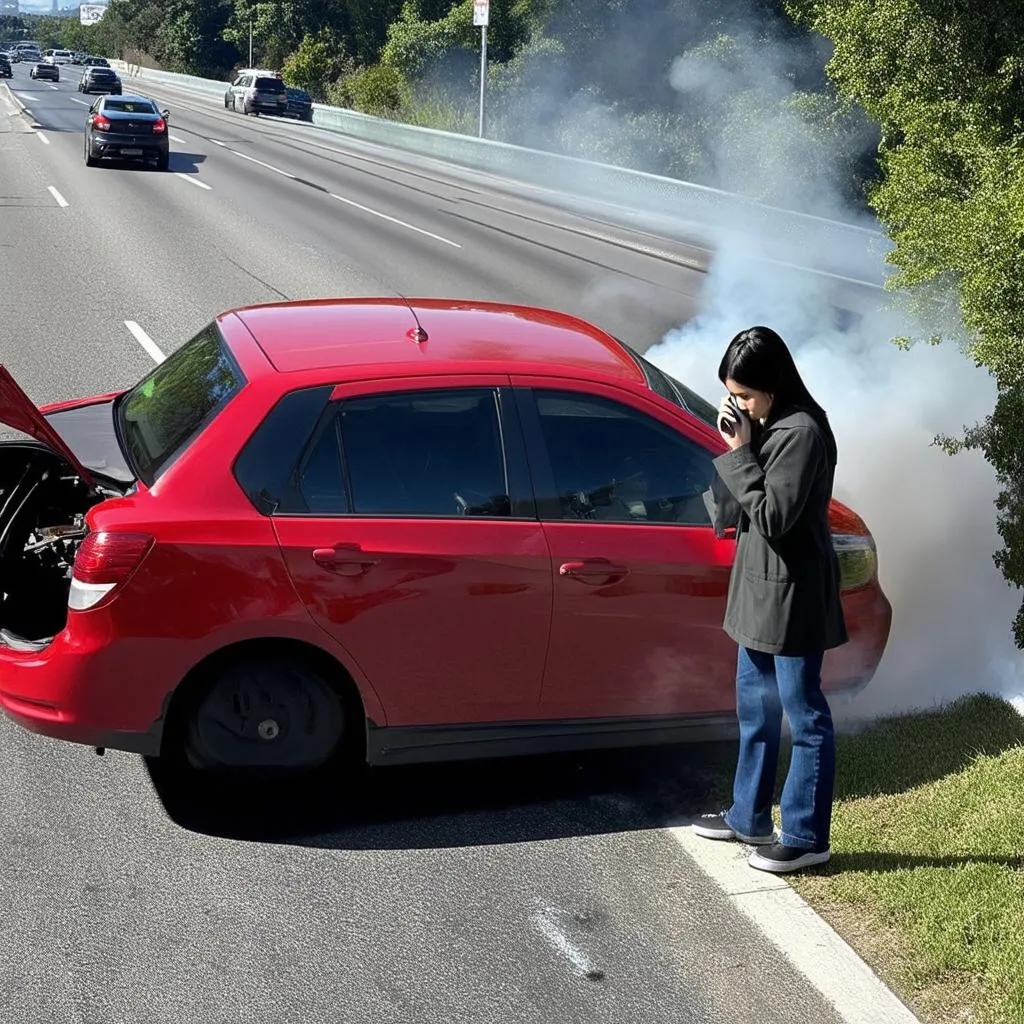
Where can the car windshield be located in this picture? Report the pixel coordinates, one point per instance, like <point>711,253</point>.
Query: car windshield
<point>129,107</point>
<point>168,409</point>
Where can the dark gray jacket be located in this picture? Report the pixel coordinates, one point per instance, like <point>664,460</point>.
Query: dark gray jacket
<point>784,589</point>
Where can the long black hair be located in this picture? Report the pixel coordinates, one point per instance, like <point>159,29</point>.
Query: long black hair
<point>758,358</point>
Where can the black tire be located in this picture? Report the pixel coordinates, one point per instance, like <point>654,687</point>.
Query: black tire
<point>266,716</point>
<point>90,160</point>
<point>163,161</point>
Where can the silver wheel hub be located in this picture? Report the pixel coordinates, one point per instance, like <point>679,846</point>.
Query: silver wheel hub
<point>268,729</point>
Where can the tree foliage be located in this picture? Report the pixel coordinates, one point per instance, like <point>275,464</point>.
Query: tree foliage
<point>945,81</point>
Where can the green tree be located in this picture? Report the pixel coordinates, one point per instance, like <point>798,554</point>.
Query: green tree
<point>319,60</point>
<point>945,81</point>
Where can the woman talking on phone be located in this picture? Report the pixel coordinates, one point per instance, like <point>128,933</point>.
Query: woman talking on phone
<point>784,611</point>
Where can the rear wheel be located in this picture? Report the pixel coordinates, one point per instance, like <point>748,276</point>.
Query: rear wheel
<point>273,716</point>
<point>162,161</point>
<point>90,159</point>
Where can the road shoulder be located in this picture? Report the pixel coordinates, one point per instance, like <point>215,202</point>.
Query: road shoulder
<point>808,942</point>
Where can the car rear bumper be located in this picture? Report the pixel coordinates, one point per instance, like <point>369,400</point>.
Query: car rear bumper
<point>128,146</point>
<point>81,690</point>
<point>263,107</point>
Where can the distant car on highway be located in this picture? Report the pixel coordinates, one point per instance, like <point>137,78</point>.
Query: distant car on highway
<point>300,104</point>
<point>51,72</point>
<point>409,531</point>
<point>127,128</point>
<point>96,62</point>
<point>6,71</point>
<point>96,79</point>
<point>257,91</point>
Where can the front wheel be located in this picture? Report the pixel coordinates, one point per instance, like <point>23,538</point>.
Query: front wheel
<point>267,716</point>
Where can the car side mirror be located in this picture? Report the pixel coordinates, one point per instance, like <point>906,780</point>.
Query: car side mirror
<point>165,114</point>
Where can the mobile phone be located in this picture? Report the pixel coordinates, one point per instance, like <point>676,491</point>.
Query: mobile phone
<point>728,426</point>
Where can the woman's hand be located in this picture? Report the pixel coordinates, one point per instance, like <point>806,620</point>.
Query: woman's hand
<point>741,424</point>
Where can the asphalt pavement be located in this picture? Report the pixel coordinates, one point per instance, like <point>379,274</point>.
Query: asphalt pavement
<point>542,889</point>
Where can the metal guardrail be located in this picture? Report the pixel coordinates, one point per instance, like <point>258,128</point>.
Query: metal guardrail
<point>803,241</point>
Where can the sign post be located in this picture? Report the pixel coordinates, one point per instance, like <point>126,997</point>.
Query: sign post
<point>482,17</point>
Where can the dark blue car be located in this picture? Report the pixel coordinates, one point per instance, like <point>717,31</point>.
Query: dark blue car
<point>300,104</point>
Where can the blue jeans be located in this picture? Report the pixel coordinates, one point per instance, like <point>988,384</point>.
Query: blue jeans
<point>767,685</point>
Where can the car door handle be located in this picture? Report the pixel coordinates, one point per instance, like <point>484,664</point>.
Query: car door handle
<point>593,570</point>
<point>346,560</point>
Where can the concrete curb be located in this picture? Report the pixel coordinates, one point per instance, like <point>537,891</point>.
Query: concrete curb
<point>794,927</point>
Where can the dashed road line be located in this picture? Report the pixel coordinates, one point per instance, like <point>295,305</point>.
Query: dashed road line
<point>175,139</point>
<point>61,201</point>
<point>75,99</point>
<point>269,167</point>
<point>193,180</point>
<point>394,220</point>
<point>42,137</point>
<point>151,347</point>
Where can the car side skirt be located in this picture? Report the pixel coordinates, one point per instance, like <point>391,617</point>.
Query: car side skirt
<point>392,745</point>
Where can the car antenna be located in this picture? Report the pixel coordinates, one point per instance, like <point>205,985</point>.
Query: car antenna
<point>417,334</point>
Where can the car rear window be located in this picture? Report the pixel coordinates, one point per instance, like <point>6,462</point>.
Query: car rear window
<point>270,84</point>
<point>100,73</point>
<point>129,107</point>
<point>168,409</point>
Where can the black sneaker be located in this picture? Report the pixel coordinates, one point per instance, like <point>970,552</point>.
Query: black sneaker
<point>781,859</point>
<point>714,826</point>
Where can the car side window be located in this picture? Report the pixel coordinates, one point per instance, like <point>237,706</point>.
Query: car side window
<point>425,453</point>
<point>319,487</point>
<point>613,463</point>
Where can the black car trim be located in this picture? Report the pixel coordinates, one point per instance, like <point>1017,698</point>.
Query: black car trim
<point>416,744</point>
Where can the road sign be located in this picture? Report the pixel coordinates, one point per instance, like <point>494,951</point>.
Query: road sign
<point>89,14</point>
<point>481,12</point>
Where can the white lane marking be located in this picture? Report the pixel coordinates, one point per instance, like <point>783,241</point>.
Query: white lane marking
<point>269,167</point>
<point>61,201</point>
<point>85,103</point>
<point>151,347</point>
<point>394,220</point>
<point>54,88</point>
<point>217,142</point>
<point>192,180</point>
<point>807,941</point>
<point>24,96</point>
<point>174,138</point>
<point>42,137</point>
<point>548,927</point>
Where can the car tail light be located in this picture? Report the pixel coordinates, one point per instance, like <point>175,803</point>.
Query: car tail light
<point>100,123</point>
<point>159,125</point>
<point>105,561</point>
<point>854,546</point>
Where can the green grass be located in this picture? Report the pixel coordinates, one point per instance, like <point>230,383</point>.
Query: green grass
<point>927,871</point>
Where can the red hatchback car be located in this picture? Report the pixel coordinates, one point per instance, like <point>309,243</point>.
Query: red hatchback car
<point>434,530</point>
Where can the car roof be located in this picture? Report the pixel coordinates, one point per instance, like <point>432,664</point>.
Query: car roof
<point>354,335</point>
<point>129,97</point>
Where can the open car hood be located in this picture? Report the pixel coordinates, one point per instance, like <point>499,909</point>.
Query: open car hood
<point>18,412</point>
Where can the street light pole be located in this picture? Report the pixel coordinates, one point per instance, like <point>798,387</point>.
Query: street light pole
<point>250,39</point>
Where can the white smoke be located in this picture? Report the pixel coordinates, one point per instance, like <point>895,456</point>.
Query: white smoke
<point>931,514</point>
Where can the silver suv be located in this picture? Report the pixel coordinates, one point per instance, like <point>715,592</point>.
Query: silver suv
<point>255,91</point>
